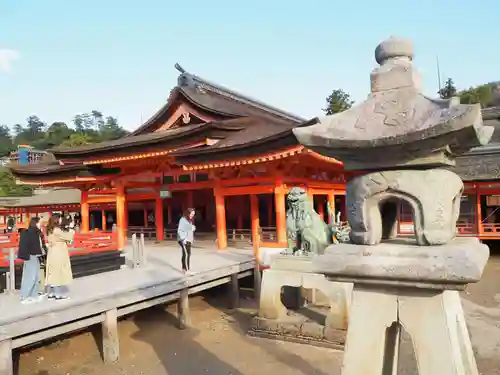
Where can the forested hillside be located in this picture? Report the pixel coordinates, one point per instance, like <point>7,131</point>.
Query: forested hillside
<point>85,128</point>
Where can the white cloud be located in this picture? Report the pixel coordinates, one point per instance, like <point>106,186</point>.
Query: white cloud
<point>7,57</point>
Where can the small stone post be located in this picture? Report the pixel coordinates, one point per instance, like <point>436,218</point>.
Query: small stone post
<point>134,250</point>
<point>142,250</point>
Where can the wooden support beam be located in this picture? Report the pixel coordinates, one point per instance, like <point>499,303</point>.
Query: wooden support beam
<point>110,337</point>
<point>103,220</point>
<point>85,211</point>
<point>234,291</point>
<point>6,362</point>
<point>331,203</point>
<point>160,230</point>
<point>120,216</point>
<point>479,221</point>
<point>255,225</point>
<point>220,218</point>
<point>183,309</point>
<point>279,203</point>
<point>247,190</point>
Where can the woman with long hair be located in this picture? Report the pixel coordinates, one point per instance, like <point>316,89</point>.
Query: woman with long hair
<point>31,249</point>
<point>58,267</point>
<point>185,237</point>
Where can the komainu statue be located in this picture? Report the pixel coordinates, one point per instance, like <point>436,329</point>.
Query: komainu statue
<point>307,233</point>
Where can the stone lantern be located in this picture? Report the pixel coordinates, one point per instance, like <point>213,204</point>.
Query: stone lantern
<point>403,143</point>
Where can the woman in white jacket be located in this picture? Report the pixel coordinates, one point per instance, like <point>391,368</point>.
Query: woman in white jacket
<point>185,237</point>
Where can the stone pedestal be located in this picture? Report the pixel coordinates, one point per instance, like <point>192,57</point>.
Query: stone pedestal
<point>402,286</point>
<point>330,299</point>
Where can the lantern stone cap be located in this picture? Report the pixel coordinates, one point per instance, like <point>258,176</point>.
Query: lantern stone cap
<point>400,262</point>
<point>397,126</point>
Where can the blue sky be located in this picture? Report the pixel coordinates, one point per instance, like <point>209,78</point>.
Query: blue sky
<point>59,58</point>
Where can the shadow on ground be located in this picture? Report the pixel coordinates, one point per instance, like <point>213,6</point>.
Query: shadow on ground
<point>241,319</point>
<point>178,354</point>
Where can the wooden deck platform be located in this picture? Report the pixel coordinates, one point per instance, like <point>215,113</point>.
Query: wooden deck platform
<point>104,297</point>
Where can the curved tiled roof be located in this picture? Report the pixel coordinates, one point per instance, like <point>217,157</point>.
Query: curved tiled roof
<point>216,99</point>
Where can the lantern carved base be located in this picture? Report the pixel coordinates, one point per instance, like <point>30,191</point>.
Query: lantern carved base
<point>321,307</point>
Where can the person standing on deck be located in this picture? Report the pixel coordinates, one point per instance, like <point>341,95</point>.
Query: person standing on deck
<point>31,249</point>
<point>185,238</point>
<point>58,267</point>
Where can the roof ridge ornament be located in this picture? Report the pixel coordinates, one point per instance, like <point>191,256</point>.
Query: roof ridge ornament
<point>190,80</point>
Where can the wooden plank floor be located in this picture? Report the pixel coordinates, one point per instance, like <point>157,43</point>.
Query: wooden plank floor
<point>93,295</point>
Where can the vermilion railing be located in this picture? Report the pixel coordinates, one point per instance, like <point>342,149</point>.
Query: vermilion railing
<point>83,243</point>
<point>463,229</point>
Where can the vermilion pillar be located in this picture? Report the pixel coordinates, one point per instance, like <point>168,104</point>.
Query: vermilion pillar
<point>255,223</point>
<point>331,203</point>
<point>160,230</point>
<point>279,203</point>
<point>479,223</point>
<point>85,212</point>
<point>220,219</point>
<point>103,219</point>
<point>121,221</point>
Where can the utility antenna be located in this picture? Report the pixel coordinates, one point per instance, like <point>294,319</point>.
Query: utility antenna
<point>439,73</point>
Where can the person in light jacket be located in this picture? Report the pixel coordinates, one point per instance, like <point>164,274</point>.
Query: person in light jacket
<point>31,249</point>
<point>58,267</point>
<point>185,237</point>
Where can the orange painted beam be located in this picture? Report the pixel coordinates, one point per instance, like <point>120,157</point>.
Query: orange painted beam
<point>160,232</point>
<point>141,197</point>
<point>220,216</point>
<point>102,199</point>
<point>85,211</point>
<point>247,190</point>
<point>255,225</point>
<point>120,216</point>
<point>279,204</point>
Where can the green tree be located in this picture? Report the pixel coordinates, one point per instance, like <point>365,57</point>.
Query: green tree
<point>79,123</point>
<point>56,134</point>
<point>77,139</point>
<point>338,101</point>
<point>111,130</point>
<point>449,90</point>
<point>6,144</point>
<point>98,119</point>
<point>9,187</point>
<point>486,95</point>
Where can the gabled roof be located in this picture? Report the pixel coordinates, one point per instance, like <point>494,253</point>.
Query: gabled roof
<point>177,136</point>
<point>51,198</point>
<point>216,99</point>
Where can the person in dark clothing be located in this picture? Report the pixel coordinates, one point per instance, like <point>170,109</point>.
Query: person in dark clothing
<point>31,249</point>
<point>11,224</point>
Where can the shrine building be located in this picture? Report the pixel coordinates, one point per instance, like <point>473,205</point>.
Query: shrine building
<point>230,157</point>
<point>233,159</point>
